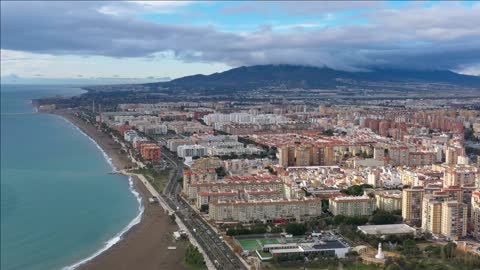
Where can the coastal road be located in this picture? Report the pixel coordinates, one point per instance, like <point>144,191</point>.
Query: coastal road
<point>210,263</point>
<point>216,249</point>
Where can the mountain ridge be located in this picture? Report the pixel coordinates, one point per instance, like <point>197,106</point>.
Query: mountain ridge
<point>310,77</point>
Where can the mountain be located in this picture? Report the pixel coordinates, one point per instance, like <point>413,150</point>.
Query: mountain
<point>308,77</point>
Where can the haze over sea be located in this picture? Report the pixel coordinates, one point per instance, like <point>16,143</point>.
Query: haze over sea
<point>59,204</point>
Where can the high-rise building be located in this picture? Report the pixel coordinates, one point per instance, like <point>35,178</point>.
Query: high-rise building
<point>412,199</point>
<point>452,153</point>
<point>432,212</point>
<point>399,155</point>
<point>305,155</point>
<point>454,219</point>
<point>389,200</point>
<point>476,214</point>
<point>352,206</point>
<point>265,210</point>
<point>460,175</point>
<point>194,150</point>
<point>373,178</point>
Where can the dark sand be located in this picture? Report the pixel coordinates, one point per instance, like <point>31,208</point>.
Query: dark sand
<point>145,245</point>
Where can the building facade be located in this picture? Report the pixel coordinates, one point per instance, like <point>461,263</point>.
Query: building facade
<point>352,206</point>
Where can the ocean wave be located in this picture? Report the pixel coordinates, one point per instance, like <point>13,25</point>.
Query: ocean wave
<point>118,236</point>
<point>132,223</point>
<point>107,158</point>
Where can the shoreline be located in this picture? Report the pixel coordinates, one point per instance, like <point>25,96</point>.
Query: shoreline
<point>149,233</point>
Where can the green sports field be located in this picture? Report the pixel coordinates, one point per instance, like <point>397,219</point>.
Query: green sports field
<point>249,244</point>
<point>268,241</point>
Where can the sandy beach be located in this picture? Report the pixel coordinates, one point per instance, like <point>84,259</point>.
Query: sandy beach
<point>145,245</point>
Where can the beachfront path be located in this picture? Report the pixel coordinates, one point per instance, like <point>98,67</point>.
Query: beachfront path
<point>166,207</point>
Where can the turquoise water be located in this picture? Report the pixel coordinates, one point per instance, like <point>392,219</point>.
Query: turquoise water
<point>59,205</point>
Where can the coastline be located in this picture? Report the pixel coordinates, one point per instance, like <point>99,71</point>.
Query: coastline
<point>144,241</point>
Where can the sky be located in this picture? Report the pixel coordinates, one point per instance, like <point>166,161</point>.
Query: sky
<point>132,41</point>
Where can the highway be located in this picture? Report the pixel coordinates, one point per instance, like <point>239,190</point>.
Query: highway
<point>217,250</point>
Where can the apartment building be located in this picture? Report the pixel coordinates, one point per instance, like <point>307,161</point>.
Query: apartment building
<point>389,200</point>
<point>460,175</point>
<point>399,155</point>
<point>454,220</point>
<point>432,212</point>
<point>352,205</point>
<point>305,155</point>
<point>228,184</point>
<point>421,158</point>
<point>192,151</point>
<point>412,199</point>
<point>373,179</point>
<point>206,197</point>
<point>408,177</point>
<point>265,210</point>
<point>452,153</point>
<point>475,202</point>
<point>130,135</point>
<point>173,144</point>
<point>150,151</point>
<point>153,129</point>
<point>191,177</point>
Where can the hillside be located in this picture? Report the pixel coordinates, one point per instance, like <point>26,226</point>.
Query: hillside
<point>307,77</point>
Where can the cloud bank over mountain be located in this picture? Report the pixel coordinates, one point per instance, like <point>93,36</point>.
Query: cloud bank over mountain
<point>347,36</point>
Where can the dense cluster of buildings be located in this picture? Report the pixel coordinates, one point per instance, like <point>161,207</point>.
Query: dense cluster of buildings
<point>206,144</point>
<point>446,207</point>
<point>412,155</point>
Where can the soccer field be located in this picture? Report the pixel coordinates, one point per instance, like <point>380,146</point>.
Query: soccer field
<point>249,244</point>
<point>268,241</point>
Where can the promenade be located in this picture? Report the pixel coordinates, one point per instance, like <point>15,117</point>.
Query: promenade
<point>167,208</point>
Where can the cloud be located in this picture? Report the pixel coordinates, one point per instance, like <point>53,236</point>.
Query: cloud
<point>442,36</point>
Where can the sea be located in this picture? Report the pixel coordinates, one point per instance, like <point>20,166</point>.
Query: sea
<point>60,206</point>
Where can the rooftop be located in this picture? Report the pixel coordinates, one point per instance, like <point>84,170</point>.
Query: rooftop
<point>386,229</point>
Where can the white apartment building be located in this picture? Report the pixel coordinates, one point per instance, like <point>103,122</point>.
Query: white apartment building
<point>389,200</point>
<point>265,210</point>
<point>130,135</point>
<point>194,150</point>
<point>222,185</point>
<point>352,205</point>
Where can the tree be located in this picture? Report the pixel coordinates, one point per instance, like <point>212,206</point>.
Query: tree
<point>193,256</point>
<point>356,190</point>
<point>383,217</point>
<point>328,132</point>
<point>221,172</point>
<point>296,228</point>
<point>204,208</point>
<point>172,217</point>
<point>276,230</point>
<point>433,250</point>
<point>339,219</point>
<point>449,249</point>
<point>410,247</point>
<point>259,229</point>
<point>393,267</point>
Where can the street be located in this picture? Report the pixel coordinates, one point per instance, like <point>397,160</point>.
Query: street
<point>218,251</point>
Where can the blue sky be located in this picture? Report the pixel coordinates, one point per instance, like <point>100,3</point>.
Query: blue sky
<point>136,40</point>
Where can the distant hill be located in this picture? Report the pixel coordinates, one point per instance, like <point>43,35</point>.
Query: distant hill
<point>308,77</point>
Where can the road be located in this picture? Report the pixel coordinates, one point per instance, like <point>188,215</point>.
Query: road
<point>217,250</point>
<point>220,256</point>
